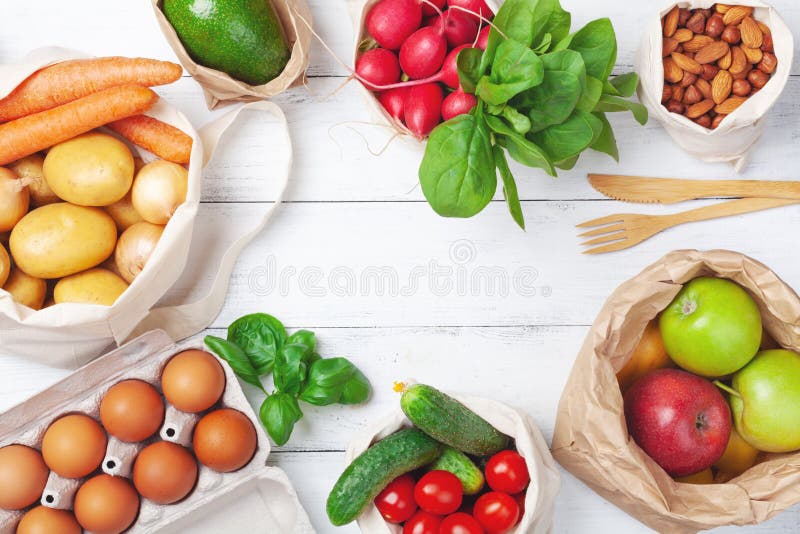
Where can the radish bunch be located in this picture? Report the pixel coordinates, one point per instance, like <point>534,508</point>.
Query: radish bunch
<point>413,69</point>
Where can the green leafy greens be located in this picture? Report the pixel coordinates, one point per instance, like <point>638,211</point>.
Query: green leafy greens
<point>543,95</point>
<point>258,345</point>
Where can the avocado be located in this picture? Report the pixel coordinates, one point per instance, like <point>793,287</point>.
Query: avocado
<point>243,38</point>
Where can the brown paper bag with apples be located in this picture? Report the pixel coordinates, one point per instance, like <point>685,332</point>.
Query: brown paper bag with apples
<point>591,439</point>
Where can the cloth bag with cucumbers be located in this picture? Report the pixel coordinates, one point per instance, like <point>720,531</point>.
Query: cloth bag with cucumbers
<point>545,479</point>
<point>591,438</point>
<point>70,335</point>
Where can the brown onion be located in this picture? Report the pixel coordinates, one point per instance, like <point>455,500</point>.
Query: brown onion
<point>159,188</point>
<point>5,265</point>
<point>31,170</point>
<point>134,248</point>
<point>14,199</point>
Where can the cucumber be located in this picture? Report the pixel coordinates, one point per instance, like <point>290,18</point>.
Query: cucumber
<point>461,466</point>
<point>447,420</point>
<point>372,471</point>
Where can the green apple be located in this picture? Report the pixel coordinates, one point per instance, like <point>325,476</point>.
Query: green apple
<point>712,328</point>
<point>766,401</point>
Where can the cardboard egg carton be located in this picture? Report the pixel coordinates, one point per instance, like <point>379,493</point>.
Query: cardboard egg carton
<point>253,499</point>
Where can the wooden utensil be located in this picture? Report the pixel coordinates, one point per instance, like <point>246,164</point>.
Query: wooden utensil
<point>670,190</point>
<point>621,231</point>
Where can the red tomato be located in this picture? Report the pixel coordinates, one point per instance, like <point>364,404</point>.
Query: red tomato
<point>396,502</point>
<point>460,523</point>
<point>496,512</point>
<point>439,492</point>
<point>520,498</point>
<point>423,523</point>
<point>507,472</point>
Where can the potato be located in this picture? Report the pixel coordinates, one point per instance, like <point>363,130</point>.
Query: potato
<point>58,240</point>
<point>95,286</point>
<point>123,213</point>
<point>14,199</point>
<point>5,265</point>
<point>93,169</point>
<point>30,169</point>
<point>26,290</point>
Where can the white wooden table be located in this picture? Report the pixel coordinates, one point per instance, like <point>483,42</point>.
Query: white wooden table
<point>351,214</point>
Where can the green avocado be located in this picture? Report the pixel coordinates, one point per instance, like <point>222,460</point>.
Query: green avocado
<point>243,38</point>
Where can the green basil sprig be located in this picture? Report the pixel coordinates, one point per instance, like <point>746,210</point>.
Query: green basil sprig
<point>543,95</point>
<point>258,345</point>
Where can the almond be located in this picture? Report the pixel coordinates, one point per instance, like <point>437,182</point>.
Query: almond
<point>730,105</point>
<point>669,46</point>
<point>712,52</point>
<point>700,109</point>
<point>738,61</point>
<point>721,86</point>
<point>723,8</point>
<point>764,28</point>
<point>704,87</point>
<point>671,22</point>
<point>697,42</point>
<point>686,63</point>
<point>672,72</point>
<point>683,35</point>
<point>737,14</point>
<point>752,36</point>
<point>753,55</point>
<point>717,121</point>
<point>725,61</point>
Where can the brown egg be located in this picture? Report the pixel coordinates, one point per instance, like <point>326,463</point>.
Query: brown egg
<point>132,410</point>
<point>74,446</point>
<point>43,520</point>
<point>23,476</point>
<point>164,472</point>
<point>193,381</point>
<point>106,504</point>
<point>224,440</point>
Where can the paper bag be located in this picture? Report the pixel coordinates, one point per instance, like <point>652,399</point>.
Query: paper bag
<point>591,439</point>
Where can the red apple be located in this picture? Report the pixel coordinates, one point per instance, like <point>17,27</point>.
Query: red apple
<point>679,419</point>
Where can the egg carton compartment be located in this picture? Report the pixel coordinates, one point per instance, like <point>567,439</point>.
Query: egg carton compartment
<point>262,494</point>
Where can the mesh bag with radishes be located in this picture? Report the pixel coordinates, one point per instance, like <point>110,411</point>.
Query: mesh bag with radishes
<point>515,84</point>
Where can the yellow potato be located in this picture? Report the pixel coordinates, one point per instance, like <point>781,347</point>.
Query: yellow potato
<point>5,265</point>
<point>93,169</point>
<point>95,286</point>
<point>58,240</point>
<point>30,169</point>
<point>123,213</point>
<point>26,290</point>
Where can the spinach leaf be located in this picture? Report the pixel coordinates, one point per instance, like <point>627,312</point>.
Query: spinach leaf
<point>468,63</point>
<point>524,21</point>
<point>518,121</point>
<point>623,85</point>
<point>457,173</point>
<point>509,187</point>
<point>236,358</point>
<point>260,336</point>
<point>557,24</point>
<point>279,413</point>
<point>606,142</point>
<point>553,101</point>
<point>291,368</point>
<point>356,390</point>
<point>543,46</point>
<point>568,139</point>
<point>591,95</point>
<point>520,148</point>
<point>611,104</point>
<point>516,68</point>
<point>597,43</point>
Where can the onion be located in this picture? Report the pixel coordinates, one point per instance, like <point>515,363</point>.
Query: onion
<point>31,170</point>
<point>158,190</point>
<point>14,199</point>
<point>123,213</point>
<point>5,265</point>
<point>134,248</point>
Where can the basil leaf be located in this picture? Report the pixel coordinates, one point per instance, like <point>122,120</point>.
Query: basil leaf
<point>606,142</point>
<point>279,413</point>
<point>468,63</point>
<point>236,358</point>
<point>326,381</point>
<point>509,187</point>
<point>570,138</point>
<point>520,148</point>
<point>567,164</point>
<point>624,85</point>
<point>597,43</point>
<point>611,104</point>
<point>516,68</point>
<point>356,390</point>
<point>291,368</point>
<point>260,336</point>
<point>457,173</point>
<point>303,337</point>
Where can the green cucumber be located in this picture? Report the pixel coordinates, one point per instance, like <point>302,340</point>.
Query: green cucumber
<point>460,465</point>
<point>447,420</point>
<point>372,471</point>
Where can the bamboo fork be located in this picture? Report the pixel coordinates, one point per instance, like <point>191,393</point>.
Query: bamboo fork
<point>621,231</point>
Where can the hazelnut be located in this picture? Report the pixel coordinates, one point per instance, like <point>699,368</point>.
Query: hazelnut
<point>692,96</point>
<point>704,121</point>
<point>673,106</point>
<point>768,63</point>
<point>683,16</point>
<point>768,45</point>
<point>697,23</point>
<point>706,12</point>
<point>742,88</point>
<point>677,93</point>
<point>688,79</point>
<point>732,35</point>
<point>758,79</point>
<point>717,120</point>
<point>709,72</point>
<point>715,26</point>
<point>666,94</point>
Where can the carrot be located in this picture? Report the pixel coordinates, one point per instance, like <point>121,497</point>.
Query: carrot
<point>28,135</point>
<point>70,80</point>
<point>160,138</point>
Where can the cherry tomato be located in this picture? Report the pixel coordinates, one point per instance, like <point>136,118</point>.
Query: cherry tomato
<point>507,472</point>
<point>520,498</point>
<point>423,523</point>
<point>396,501</point>
<point>439,492</point>
<point>460,523</point>
<point>496,512</point>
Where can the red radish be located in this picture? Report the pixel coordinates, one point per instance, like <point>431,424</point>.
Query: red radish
<point>423,53</point>
<point>483,38</point>
<point>394,101</point>
<point>459,27</point>
<point>458,103</point>
<point>423,108</point>
<point>391,22</point>
<point>450,68</point>
<point>475,6</point>
<point>428,9</point>
<point>378,67</point>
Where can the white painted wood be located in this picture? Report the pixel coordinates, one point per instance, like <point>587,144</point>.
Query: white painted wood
<point>352,212</point>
